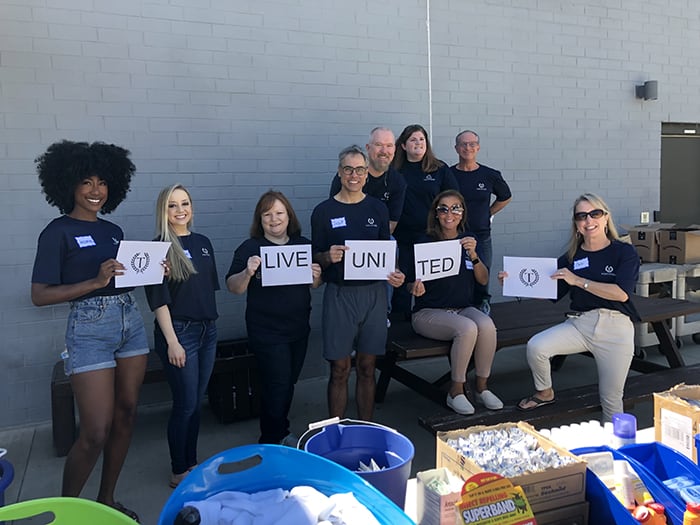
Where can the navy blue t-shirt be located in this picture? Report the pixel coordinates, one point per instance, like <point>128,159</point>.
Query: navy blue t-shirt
<point>421,189</point>
<point>70,251</point>
<point>390,188</point>
<point>618,263</point>
<point>192,299</point>
<point>476,187</point>
<point>334,222</point>
<point>456,291</point>
<point>274,314</point>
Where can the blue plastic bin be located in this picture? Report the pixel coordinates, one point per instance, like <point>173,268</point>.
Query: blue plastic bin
<point>350,442</point>
<point>7,474</point>
<point>663,463</point>
<point>601,497</point>
<point>253,468</point>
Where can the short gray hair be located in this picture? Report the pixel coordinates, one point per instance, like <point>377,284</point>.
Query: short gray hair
<point>351,150</point>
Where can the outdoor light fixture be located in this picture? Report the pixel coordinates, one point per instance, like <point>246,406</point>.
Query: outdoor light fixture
<point>649,90</point>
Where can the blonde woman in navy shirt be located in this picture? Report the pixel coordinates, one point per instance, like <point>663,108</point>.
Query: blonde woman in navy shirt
<point>106,345</point>
<point>599,272</point>
<point>185,327</point>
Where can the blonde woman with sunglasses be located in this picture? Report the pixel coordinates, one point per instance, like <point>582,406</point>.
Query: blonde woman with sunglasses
<point>445,308</point>
<point>600,273</point>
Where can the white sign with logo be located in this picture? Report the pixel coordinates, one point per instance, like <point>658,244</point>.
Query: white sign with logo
<point>142,261</point>
<point>435,260</point>
<point>530,277</point>
<point>369,260</point>
<point>286,265</point>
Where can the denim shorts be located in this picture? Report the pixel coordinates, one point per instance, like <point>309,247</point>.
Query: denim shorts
<point>101,330</point>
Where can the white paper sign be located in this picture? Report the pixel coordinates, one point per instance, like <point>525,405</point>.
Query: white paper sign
<point>142,261</point>
<point>530,277</point>
<point>286,265</point>
<point>435,260</point>
<point>369,260</point>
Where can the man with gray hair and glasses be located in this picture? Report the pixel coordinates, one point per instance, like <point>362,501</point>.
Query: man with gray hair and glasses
<point>477,183</point>
<point>354,311</point>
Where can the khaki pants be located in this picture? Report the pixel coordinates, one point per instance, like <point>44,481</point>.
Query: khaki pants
<point>607,334</point>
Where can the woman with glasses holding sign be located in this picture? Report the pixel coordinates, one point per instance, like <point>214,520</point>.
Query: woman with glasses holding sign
<point>600,273</point>
<point>106,345</point>
<point>277,317</point>
<point>445,308</point>
<point>185,328</point>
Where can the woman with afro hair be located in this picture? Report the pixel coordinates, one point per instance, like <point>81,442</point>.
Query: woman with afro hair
<point>106,347</point>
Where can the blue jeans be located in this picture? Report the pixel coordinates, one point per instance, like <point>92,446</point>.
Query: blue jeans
<point>484,250</point>
<point>188,386</point>
<point>279,366</point>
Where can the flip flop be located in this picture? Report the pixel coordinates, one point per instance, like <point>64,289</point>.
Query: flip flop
<point>128,512</point>
<point>539,402</point>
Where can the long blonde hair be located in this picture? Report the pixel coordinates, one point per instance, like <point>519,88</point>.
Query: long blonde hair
<point>181,266</point>
<point>576,239</point>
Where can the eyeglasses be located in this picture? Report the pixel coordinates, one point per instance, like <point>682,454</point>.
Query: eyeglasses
<point>593,214</point>
<point>468,144</point>
<point>455,209</point>
<point>349,170</point>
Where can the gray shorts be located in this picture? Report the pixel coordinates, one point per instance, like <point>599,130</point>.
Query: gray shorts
<point>354,318</point>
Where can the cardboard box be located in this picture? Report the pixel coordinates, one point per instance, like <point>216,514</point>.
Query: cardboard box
<point>680,245</point>
<point>677,418</point>
<point>644,237</point>
<point>549,489</point>
<point>433,508</point>
<point>571,515</point>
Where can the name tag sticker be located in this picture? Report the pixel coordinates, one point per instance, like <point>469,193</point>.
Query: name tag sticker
<point>581,263</point>
<point>188,254</point>
<point>338,222</point>
<point>85,240</point>
<point>469,265</point>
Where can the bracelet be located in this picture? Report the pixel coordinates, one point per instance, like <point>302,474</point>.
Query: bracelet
<point>475,261</point>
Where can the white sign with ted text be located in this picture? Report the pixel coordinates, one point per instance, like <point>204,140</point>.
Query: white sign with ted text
<point>142,261</point>
<point>530,277</point>
<point>369,260</point>
<point>435,260</point>
<point>286,265</point>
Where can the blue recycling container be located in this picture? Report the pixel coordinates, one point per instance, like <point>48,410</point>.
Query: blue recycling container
<point>7,474</point>
<point>362,441</point>
<point>254,468</point>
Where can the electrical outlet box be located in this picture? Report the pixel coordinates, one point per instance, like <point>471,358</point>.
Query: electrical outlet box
<point>644,217</point>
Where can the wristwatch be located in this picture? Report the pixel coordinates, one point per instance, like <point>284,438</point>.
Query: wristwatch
<point>475,261</point>
<point>585,285</point>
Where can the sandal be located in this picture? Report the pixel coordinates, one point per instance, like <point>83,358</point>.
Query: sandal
<point>127,512</point>
<point>176,479</point>
<point>539,402</point>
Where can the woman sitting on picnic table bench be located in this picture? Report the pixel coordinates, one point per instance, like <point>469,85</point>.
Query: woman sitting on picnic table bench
<point>600,273</point>
<point>445,308</point>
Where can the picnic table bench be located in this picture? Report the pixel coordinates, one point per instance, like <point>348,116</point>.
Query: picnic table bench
<point>516,322</point>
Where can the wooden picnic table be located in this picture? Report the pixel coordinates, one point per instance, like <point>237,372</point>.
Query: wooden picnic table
<point>516,322</point>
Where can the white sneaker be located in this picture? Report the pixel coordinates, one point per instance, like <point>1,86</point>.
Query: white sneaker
<point>489,400</point>
<point>290,440</point>
<point>460,404</point>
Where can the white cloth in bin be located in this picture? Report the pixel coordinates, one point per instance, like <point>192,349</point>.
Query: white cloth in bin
<point>301,506</point>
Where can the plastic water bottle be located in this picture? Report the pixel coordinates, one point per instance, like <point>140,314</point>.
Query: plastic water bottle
<point>691,516</point>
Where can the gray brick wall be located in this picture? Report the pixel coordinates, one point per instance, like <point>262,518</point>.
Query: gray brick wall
<point>232,98</point>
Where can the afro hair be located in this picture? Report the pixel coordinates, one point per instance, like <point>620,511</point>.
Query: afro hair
<point>65,164</point>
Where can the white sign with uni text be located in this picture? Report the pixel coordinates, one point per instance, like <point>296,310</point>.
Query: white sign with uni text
<point>282,265</point>
<point>369,260</point>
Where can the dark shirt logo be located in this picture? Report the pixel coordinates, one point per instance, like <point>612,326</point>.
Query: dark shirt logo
<point>140,262</point>
<point>429,178</point>
<point>529,277</point>
<point>205,252</point>
<point>481,187</point>
<point>370,222</point>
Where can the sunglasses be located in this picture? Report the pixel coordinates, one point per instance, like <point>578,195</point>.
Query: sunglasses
<point>455,209</point>
<point>593,214</point>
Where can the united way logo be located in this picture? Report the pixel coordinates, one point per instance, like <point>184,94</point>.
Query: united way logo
<point>529,277</point>
<point>140,262</point>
